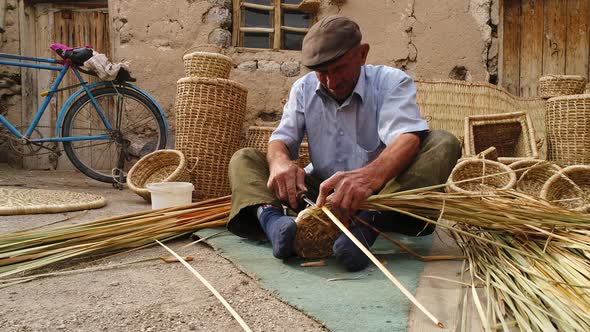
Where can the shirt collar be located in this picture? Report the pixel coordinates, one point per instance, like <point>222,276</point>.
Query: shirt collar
<point>359,89</point>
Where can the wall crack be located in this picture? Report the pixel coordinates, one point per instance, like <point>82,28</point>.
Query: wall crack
<point>409,62</point>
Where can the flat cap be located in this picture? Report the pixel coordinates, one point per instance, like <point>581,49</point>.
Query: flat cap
<point>329,39</point>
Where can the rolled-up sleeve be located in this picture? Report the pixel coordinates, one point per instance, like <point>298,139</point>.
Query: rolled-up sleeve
<point>292,126</point>
<point>399,112</point>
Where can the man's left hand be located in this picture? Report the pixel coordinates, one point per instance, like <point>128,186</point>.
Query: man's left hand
<point>350,190</point>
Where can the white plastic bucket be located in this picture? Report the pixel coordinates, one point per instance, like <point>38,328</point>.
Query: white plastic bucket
<point>169,194</point>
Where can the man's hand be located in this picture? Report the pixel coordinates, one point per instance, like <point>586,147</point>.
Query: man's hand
<point>350,190</point>
<point>286,178</point>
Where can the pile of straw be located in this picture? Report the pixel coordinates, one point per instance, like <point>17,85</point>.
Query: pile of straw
<point>532,258</point>
<point>28,250</point>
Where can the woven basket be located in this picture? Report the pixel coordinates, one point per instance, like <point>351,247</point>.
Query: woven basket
<point>511,134</point>
<point>209,117</point>
<point>446,103</point>
<point>531,180</point>
<point>258,137</point>
<point>207,64</point>
<point>315,235</point>
<point>568,130</point>
<point>561,85</point>
<point>158,166</point>
<point>570,188</point>
<point>475,168</point>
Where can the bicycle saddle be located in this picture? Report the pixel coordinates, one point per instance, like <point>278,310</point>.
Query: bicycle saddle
<point>78,55</point>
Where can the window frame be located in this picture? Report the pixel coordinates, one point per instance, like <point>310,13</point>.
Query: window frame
<point>276,32</point>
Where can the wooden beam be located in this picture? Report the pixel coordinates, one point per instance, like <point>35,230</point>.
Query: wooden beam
<point>259,30</point>
<point>257,6</point>
<point>555,35</point>
<point>292,29</point>
<point>289,6</point>
<point>277,37</point>
<point>236,19</point>
<point>531,47</point>
<point>510,62</point>
<point>578,32</point>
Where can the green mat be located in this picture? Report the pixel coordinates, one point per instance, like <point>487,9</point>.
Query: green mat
<point>368,303</point>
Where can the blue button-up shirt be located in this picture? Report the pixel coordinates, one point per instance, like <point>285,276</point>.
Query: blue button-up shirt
<point>347,136</point>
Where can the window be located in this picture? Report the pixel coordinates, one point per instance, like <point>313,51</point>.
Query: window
<point>270,24</point>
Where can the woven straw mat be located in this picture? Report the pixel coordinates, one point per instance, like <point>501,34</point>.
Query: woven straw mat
<point>31,201</point>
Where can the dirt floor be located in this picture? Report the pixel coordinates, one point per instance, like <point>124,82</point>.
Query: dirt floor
<point>155,296</point>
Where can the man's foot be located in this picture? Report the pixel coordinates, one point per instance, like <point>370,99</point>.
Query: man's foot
<point>279,228</point>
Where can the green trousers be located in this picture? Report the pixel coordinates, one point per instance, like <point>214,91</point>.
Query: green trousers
<point>249,172</point>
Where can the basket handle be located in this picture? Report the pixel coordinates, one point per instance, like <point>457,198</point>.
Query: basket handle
<point>220,50</point>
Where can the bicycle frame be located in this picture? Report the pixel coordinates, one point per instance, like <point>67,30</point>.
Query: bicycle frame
<point>62,68</point>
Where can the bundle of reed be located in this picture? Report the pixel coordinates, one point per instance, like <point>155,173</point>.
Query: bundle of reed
<point>28,250</point>
<point>532,257</point>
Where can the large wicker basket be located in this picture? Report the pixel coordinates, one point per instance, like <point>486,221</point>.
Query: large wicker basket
<point>207,64</point>
<point>258,137</point>
<point>531,175</point>
<point>158,166</point>
<point>512,135</point>
<point>568,130</point>
<point>209,117</point>
<point>474,169</point>
<point>570,188</point>
<point>316,234</point>
<point>561,85</point>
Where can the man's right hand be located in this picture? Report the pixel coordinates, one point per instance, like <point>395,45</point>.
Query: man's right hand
<point>286,178</point>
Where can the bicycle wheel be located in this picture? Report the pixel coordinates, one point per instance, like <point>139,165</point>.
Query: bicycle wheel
<point>138,131</point>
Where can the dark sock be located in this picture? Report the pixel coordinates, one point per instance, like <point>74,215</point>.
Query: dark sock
<point>279,229</point>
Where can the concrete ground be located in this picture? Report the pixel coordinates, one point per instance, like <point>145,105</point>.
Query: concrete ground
<point>155,296</point>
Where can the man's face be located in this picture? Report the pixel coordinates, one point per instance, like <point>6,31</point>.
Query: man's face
<point>340,76</point>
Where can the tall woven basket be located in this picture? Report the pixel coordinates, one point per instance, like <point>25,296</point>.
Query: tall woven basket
<point>570,188</point>
<point>561,85</point>
<point>568,130</point>
<point>209,117</point>
<point>207,64</point>
<point>258,137</point>
<point>512,135</point>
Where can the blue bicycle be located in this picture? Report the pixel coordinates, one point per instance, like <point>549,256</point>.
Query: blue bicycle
<point>104,127</point>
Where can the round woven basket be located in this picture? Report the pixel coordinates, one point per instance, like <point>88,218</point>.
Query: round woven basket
<point>475,168</point>
<point>258,137</point>
<point>569,188</point>
<point>315,235</point>
<point>567,121</point>
<point>209,117</point>
<point>531,180</point>
<point>561,85</point>
<point>207,64</point>
<point>158,166</point>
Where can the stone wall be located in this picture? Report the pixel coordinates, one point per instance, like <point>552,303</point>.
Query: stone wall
<point>426,38</point>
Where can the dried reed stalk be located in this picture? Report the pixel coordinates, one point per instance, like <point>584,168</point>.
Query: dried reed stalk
<point>28,250</point>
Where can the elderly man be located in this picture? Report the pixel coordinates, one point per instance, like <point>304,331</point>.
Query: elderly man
<point>365,136</point>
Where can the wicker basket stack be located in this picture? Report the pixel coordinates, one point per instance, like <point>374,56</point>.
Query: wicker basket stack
<point>568,129</point>
<point>210,112</point>
<point>483,174</point>
<point>511,134</point>
<point>258,137</point>
<point>561,85</point>
<point>207,64</point>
